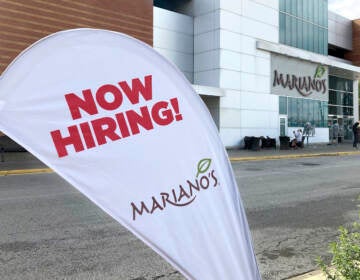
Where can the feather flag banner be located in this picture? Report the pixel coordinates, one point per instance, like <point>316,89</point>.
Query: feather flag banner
<point>123,126</point>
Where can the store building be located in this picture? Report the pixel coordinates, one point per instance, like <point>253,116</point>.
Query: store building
<point>262,67</point>
<point>265,67</point>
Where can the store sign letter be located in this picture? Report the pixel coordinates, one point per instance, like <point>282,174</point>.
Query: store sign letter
<point>304,85</point>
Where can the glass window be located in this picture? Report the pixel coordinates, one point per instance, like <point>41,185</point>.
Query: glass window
<point>321,15</point>
<point>282,27</point>
<point>340,84</point>
<point>301,111</point>
<point>292,111</point>
<point>317,113</point>
<point>341,96</point>
<point>326,113</point>
<point>339,110</point>
<point>332,110</point>
<point>338,98</point>
<point>305,44</point>
<point>321,39</point>
<point>305,24</point>
<point>316,39</point>
<point>288,6</point>
<point>311,36</point>
<point>288,30</point>
<point>282,5</point>
<point>316,12</point>
<point>348,111</point>
<point>282,105</point>
<point>325,52</point>
<point>305,9</point>
<point>293,31</point>
<point>325,38</point>
<point>332,97</point>
<point>311,10</point>
<point>312,111</point>
<point>299,9</point>
<point>282,127</point>
<point>347,99</point>
<point>293,7</point>
<point>299,34</point>
<point>350,85</point>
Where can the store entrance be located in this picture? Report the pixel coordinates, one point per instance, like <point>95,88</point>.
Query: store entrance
<point>213,105</point>
<point>342,126</point>
<point>283,125</point>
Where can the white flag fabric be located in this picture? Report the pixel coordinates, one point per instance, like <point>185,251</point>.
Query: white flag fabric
<point>123,126</point>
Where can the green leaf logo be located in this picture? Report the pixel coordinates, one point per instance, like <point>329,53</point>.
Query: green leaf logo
<point>320,71</point>
<point>203,166</point>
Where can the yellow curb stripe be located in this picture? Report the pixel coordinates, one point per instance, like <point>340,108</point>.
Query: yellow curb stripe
<point>312,275</point>
<point>25,171</point>
<point>233,159</point>
<point>275,157</point>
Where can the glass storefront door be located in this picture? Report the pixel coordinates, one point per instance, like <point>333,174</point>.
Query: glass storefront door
<point>344,128</point>
<point>348,123</point>
<point>283,125</point>
<point>341,110</point>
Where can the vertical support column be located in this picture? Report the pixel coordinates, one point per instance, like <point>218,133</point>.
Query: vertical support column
<point>356,100</point>
<point>2,154</point>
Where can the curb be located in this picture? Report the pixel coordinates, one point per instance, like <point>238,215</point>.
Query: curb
<point>328,154</point>
<point>25,171</point>
<point>312,275</point>
<point>232,159</point>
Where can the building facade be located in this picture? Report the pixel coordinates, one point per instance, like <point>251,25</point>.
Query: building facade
<point>23,22</point>
<point>262,67</point>
<point>265,67</point>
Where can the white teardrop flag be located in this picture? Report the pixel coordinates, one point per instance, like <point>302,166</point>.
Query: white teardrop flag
<point>123,126</point>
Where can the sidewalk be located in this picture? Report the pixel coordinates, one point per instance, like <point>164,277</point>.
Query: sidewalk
<point>24,162</point>
<point>313,275</point>
<point>20,161</point>
<point>310,150</point>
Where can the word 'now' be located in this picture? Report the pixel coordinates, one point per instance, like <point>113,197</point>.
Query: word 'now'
<point>100,131</point>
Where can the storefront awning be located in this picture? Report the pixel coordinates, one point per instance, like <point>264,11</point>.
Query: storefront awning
<point>211,91</point>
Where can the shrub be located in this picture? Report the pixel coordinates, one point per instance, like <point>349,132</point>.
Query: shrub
<point>345,263</point>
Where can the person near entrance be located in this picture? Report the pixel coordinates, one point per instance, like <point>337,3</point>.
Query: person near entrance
<point>297,141</point>
<point>355,129</point>
<point>335,131</point>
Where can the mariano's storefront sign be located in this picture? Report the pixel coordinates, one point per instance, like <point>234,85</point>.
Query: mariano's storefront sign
<point>297,78</point>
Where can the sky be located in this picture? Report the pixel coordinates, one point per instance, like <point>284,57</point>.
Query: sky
<point>347,8</point>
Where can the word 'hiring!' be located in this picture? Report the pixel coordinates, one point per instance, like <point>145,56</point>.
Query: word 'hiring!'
<point>89,134</point>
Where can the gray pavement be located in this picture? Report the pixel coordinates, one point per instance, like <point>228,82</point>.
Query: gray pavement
<point>20,160</point>
<point>294,207</point>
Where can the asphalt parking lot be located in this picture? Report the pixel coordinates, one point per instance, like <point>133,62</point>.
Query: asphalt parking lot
<point>51,231</point>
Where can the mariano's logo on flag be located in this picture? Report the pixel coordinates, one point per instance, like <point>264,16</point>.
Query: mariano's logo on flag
<point>133,136</point>
<point>182,195</point>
